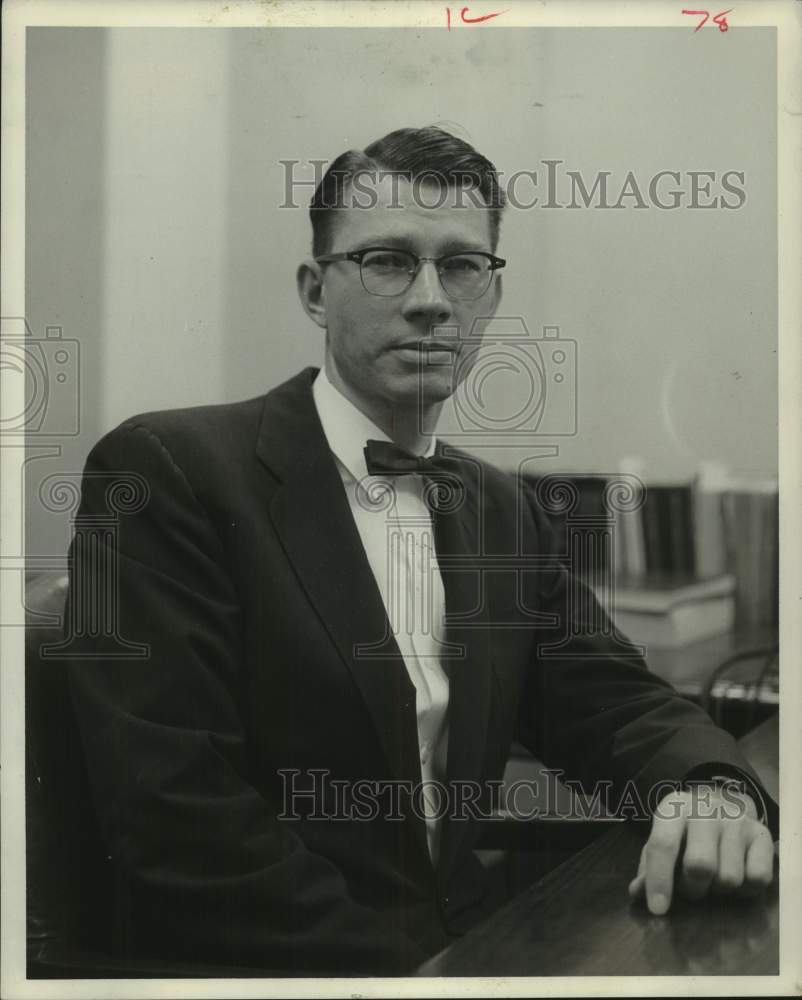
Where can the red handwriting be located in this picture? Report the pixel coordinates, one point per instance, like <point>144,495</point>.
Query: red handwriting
<point>480,19</point>
<point>719,19</point>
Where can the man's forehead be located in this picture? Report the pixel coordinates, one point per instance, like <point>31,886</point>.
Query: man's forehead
<point>387,207</point>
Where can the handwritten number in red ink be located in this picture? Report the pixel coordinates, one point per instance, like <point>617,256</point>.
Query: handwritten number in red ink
<point>702,22</point>
<point>472,20</point>
<point>719,19</point>
<point>478,20</point>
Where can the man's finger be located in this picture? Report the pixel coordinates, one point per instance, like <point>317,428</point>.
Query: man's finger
<point>731,857</point>
<point>636,886</point>
<point>759,865</point>
<point>661,851</point>
<point>700,858</point>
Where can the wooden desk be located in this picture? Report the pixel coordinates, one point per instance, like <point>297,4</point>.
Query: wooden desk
<point>579,919</point>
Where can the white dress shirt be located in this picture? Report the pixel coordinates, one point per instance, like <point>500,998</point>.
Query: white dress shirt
<point>395,526</point>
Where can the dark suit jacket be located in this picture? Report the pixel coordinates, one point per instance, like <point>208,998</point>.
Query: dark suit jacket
<point>245,575</point>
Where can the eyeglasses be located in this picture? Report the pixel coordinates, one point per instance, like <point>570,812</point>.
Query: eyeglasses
<point>387,271</point>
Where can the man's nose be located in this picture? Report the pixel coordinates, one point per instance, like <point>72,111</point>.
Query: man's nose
<point>425,298</point>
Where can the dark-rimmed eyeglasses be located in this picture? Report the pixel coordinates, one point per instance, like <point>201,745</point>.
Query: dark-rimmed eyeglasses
<point>388,271</point>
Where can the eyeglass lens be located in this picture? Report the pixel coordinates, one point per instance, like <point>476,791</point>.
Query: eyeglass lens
<point>390,272</point>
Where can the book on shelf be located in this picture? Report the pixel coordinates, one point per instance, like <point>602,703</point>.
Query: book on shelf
<point>751,527</point>
<point>668,528</point>
<point>702,529</point>
<point>630,555</point>
<point>678,528</point>
<point>666,610</point>
<point>708,518</point>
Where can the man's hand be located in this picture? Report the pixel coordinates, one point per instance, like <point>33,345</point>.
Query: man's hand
<point>711,841</point>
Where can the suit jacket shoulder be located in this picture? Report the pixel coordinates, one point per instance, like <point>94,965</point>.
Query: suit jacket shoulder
<point>214,445</point>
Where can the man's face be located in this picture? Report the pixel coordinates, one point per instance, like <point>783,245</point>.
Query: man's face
<point>377,343</point>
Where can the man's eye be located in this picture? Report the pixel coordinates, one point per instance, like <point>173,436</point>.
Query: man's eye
<point>463,265</point>
<point>387,261</point>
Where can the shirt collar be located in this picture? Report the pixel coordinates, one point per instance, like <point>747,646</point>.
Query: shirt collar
<point>346,427</point>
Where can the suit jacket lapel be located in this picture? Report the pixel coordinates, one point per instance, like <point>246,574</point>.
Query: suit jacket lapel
<point>470,676</point>
<point>313,520</point>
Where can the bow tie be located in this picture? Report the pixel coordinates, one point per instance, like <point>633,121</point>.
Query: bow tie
<point>445,491</point>
<point>383,458</point>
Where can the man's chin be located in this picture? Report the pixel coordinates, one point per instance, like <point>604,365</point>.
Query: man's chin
<point>426,387</point>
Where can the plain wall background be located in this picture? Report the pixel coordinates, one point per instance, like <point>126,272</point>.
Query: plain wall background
<point>155,239</point>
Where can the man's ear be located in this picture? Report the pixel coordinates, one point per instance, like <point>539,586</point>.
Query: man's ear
<point>309,279</point>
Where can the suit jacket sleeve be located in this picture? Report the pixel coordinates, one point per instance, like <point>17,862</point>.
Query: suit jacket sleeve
<point>207,864</point>
<point>601,716</point>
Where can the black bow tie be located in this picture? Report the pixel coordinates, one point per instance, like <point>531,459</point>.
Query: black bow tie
<point>383,458</point>
<point>445,492</point>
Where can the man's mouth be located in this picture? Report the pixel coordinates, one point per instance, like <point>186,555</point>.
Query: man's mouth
<point>428,346</point>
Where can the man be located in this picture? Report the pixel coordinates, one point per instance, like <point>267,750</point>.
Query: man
<point>323,641</point>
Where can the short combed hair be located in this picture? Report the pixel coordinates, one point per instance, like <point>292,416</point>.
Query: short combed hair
<point>429,153</point>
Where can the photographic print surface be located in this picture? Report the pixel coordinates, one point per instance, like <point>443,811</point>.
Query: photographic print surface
<point>399,408</point>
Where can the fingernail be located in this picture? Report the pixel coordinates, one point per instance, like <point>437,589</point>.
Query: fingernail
<point>659,904</point>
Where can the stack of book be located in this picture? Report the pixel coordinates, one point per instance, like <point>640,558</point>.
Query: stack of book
<point>666,610</point>
<point>712,528</point>
<point>698,551</point>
